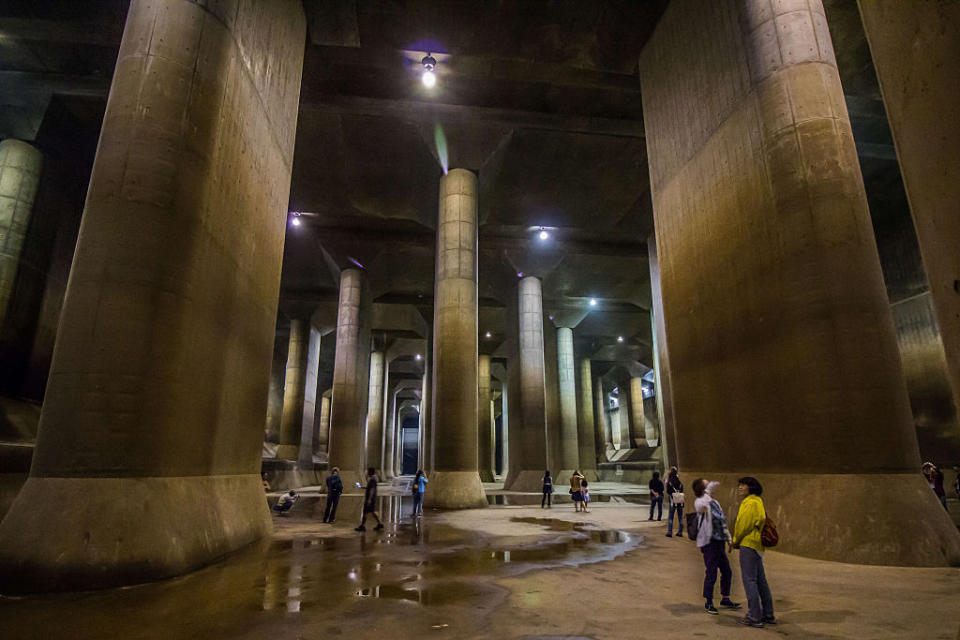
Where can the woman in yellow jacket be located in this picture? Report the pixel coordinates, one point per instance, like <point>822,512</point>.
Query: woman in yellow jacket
<point>746,536</point>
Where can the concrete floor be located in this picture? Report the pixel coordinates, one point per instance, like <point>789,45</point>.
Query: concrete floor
<point>502,572</point>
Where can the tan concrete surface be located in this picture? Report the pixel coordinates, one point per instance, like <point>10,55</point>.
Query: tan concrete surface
<point>566,378</point>
<point>769,272</point>
<point>484,425</point>
<point>162,359</point>
<point>375,398</point>
<point>294,386</point>
<point>586,427</point>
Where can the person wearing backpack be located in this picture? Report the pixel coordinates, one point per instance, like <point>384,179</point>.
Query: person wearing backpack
<point>751,520</point>
<point>418,488</point>
<point>712,537</point>
<point>676,498</point>
<point>547,498</point>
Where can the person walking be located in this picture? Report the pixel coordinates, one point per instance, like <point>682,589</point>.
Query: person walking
<point>419,487</point>
<point>935,478</point>
<point>575,492</point>
<point>334,489</point>
<point>370,501</point>
<point>712,536</point>
<point>676,498</point>
<point>547,498</point>
<point>746,536</point>
<point>656,496</point>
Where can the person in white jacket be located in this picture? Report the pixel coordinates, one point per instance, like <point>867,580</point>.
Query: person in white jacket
<point>712,536</point>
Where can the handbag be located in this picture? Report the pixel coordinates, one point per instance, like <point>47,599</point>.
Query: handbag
<point>677,498</point>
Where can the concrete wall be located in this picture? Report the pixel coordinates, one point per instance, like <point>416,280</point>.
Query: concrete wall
<point>783,358</point>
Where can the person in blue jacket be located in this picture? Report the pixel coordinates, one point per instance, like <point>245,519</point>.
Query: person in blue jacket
<point>419,487</point>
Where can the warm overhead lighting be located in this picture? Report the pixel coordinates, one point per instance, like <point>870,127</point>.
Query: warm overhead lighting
<point>429,64</point>
<point>487,335</point>
<point>593,302</point>
<point>619,338</point>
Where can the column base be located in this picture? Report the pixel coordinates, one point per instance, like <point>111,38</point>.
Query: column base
<point>590,475</point>
<point>288,452</point>
<point>455,490</point>
<point>92,533</point>
<point>486,476</point>
<point>881,519</point>
<point>350,479</point>
<point>530,481</point>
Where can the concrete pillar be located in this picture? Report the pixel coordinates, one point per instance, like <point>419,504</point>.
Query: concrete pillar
<point>20,165</point>
<point>530,453</point>
<point>586,438</point>
<point>157,391</point>
<point>275,392</point>
<point>294,383</point>
<point>348,399</point>
<point>602,428</point>
<point>644,431</point>
<point>389,427</point>
<point>324,432</point>
<point>661,358</point>
<point>769,277</point>
<point>374,444</point>
<point>309,418</point>
<point>915,49</point>
<point>456,482</point>
<point>484,417</point>
<point>566,377</point>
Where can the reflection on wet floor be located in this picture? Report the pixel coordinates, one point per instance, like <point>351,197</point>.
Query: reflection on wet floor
<point>416,561</point>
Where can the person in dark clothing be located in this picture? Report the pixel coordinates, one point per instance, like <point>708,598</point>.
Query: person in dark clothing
<point>547,490</point>
<point>370,501</point>
<point>935,478</point>
<point>334,489</point>
<point>676,497</point>
<point>656,496</point>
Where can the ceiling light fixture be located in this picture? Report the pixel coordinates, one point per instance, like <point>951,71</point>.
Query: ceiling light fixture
<point>543,234</point>
<point>593,302</point>
<point>296,219</point>
<point>487,335</point>
<point>429,64</point>
<point>619,338</point>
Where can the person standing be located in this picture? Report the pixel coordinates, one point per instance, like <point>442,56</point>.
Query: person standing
<point>575,492</point>
<point>419,488</point>
<point>746,536</point>
<point>676,498</point>
<point>334,489</point>
<point>547,498</point>
<point>585,494</point>
<point>935,478</point>
<point>370,501</point>
<point>656,496</point>
<point>712,536</point>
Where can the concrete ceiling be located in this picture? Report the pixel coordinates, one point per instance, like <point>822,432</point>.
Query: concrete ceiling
<point>540,98</point>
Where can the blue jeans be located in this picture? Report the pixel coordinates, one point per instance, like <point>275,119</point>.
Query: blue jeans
<point>417,504</point>
<point>679,509</point>
<point>658,503</point>
<point>759,598</point>
<point>714,558</point>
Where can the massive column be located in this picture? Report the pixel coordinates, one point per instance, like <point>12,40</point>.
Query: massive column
<point>148,453</point>
<point>348,399</point>
<point>390,427</point>
<point>323,436</point>
<point>769,277</point>
<point>455,483</point>
<point>586,438</point>
<point>530,453</point>
<point>643,429</point>
<point>566,375</point>
<point>484,434</point>
<point>291,419</point>
<point>375,397</point>
<point>661,358</point>
<point>20,165</point>
<point>915,49</point>
<point>309,419</point>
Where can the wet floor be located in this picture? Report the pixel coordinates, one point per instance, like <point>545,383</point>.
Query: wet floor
<point>314,570</point>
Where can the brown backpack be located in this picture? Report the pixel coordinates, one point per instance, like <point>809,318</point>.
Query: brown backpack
<point>768,534</point>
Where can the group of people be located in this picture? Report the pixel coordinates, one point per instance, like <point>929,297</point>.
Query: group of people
<point>579,491</point>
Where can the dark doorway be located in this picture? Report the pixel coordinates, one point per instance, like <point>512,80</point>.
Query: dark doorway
<point>409,439</point>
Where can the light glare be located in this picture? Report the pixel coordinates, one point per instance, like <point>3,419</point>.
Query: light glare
<point>593,302</point>
<point>544,235</point>
<point>428,79</point>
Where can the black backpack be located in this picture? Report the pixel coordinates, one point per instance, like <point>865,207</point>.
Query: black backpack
<point>693,524</point>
